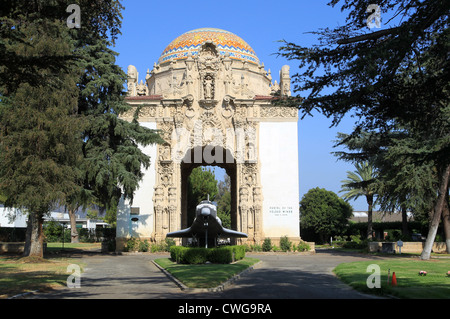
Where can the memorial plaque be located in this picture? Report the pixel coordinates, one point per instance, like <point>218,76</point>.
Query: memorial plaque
<point>281,211</point>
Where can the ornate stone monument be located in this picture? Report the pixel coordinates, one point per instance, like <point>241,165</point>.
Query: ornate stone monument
<point>211,98</point>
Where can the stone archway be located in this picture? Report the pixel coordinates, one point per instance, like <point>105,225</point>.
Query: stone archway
<point>208,92</point>
<point>204,145</point>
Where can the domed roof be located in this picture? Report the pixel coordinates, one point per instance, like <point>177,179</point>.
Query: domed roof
<point>192,40</point>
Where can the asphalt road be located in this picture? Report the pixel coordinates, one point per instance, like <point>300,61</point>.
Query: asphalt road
<point>278,276</point>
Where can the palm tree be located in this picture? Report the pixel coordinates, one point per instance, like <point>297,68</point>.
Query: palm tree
<point>361,183</point>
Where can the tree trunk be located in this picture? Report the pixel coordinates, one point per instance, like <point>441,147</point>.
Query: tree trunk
<point>446,222</point>
<point>35,235</point>
<point>369,217</point>
<point>26,250</point>
<point>437,212</point>
<point>405,230</point>
<point>73,226</point>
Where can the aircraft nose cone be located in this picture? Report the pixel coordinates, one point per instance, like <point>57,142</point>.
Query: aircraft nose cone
<point>206,211</point>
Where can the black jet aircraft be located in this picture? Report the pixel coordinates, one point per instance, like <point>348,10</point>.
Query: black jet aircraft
<point>207,227</point>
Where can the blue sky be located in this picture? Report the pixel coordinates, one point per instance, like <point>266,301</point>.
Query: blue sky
<point>149,26</point>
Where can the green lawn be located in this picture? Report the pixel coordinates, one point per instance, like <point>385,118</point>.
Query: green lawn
<point>205,275</point>
<point>435,285</point>
<point>52,247</point>
<point>20,275</point>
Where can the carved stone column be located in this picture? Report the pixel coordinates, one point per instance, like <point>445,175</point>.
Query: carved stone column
<point>166,190</point>
<point>250,201</point>
<point>172,209</point>
<point>243,209</point>
<point>158,231</point>
<point>257,208</point>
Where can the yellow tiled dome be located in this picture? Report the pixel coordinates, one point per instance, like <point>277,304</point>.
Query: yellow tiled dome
<point>226,42</point>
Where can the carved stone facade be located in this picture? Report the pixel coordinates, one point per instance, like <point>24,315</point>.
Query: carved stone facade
<point>208,101</point>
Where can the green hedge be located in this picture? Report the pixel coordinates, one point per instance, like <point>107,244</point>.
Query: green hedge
<point>136,244</point>
<point>177,253</point>
<point>197,255</point>
<point>12,234</point>
<point>360,229</point>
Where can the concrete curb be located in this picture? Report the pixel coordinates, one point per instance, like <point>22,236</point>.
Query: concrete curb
<point>221,287</point>
<point>20,296</point>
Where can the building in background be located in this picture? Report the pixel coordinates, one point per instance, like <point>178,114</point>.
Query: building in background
<point>15,218</point>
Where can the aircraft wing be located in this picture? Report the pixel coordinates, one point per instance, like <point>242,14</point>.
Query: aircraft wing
<point>232,233</point>
<point>181,233</point>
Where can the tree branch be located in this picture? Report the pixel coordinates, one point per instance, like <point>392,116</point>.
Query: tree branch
<point>370,36</point>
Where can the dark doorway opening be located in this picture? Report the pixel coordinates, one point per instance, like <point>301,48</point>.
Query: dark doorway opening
<point>228,164</point>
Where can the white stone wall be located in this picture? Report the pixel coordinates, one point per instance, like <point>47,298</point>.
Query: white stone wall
<point>278,151</point>
<point>143,198</point>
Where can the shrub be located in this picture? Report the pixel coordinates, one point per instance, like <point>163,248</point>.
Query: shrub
<point>188,255</point>
<point>222,255</point>
<point>135,244</point>
<point>132,244</point>
<point>267,245</point>
<point>143,246</point>
<point>226,255</point>
<point>239,252</point>
<point>393,234</point>
<point>87,235</point>
<point>195,256</point>
<point>303,246</point>
<point>157,247</point>
<point>359,244</point>
<point>256,248</point>
<point>53,232</point>
<point>177,253</point>
<point>285,244</point>
<point>356,239</point>
<point>169,242</point>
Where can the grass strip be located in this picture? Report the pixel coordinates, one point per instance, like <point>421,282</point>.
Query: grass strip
<point>410,284</point>
<point>204,275</point>
<point>54,247</point>
<point>20,275</point>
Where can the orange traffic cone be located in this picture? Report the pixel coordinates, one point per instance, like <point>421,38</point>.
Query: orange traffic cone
<point>394,279</point>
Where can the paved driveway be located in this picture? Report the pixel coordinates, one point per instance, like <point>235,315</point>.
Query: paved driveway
<point>292,276</point>
<point>278,276</point>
